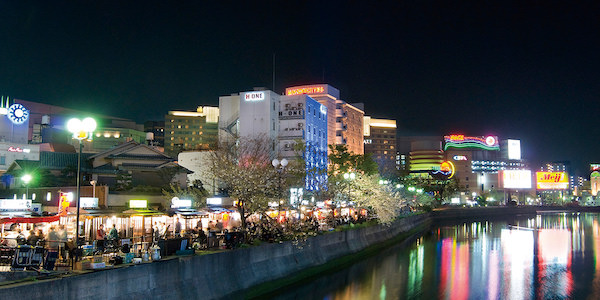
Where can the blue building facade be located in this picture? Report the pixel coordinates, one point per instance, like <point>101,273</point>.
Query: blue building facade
<point>304,120</point>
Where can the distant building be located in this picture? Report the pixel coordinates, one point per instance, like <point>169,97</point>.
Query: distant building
<point>191,130</point>
<point>425,155</point>
<point>380,142</point>
<point>344,121</point>
<point>594,179</point>
<point>157,128</point>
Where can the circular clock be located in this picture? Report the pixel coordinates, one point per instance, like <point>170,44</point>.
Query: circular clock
<point>18,114</point>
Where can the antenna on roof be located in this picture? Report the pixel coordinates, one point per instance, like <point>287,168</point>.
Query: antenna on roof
<point>273,71</point>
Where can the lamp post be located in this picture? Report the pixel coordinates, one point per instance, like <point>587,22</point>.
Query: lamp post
<point>81,129</point>
<point>349,176</point>
<point>93,183</point>
<point>276,164</point>
<point>26,179</point>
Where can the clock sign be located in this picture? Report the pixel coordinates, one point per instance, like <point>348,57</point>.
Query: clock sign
<point>18,114</point>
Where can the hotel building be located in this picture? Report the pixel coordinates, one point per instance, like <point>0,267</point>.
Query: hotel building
<point>344,121</point>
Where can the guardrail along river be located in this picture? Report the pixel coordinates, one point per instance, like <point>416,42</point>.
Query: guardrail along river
<point>544,256</point>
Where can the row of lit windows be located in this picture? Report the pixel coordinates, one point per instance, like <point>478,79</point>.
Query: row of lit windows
<point>185,132</point>
<point>187,139</point>
<point>184,126</point>
<point>194,121</point>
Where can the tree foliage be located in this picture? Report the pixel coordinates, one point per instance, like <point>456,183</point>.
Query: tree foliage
<point>245,171</point>
<point>341,161</point>
<point>381,199</point>
<point>195,192</point>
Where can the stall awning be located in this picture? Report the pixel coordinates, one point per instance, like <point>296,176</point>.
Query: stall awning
<point>218,209</point>
<point>30,219</point>
<point>143,212</point>
<point>190,213</point>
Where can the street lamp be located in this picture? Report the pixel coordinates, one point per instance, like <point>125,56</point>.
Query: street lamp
<point>26,179</point>
<point>349,176</point>
<point>81,129</point>
<point>276,164</point>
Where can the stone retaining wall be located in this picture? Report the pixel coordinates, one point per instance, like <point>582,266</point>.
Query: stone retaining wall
<point>210,276</point>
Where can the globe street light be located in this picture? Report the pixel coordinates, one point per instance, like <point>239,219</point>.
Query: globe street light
<point>26,179</point>
<point>349,176</point>
<point>276,163</point>
<point>81,129</point>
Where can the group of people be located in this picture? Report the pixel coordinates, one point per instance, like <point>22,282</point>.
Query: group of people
<point>102,237</point>
<point>55,238</point>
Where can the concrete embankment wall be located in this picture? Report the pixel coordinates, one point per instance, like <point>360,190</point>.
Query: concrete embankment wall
<point>210,276</point>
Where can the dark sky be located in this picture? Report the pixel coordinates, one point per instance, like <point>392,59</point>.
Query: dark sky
<point>519,69</point>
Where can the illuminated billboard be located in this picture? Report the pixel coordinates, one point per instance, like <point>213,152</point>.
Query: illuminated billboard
<point>460,141</point>
<point>515,179</point>
<point>514,149</point>
<point>254,96</point>
<point>308,89</point>
<point>552,180</point>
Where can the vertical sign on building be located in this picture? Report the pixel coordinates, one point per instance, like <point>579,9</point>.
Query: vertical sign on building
<point>63,204</point>
<point>514,149</point>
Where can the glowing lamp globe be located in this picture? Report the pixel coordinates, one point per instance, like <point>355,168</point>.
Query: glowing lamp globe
<point>26,178</point>
<point>74,125</point>
<point>88,125</point>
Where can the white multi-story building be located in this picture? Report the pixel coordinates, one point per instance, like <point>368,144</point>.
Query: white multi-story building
<point>284,120</point>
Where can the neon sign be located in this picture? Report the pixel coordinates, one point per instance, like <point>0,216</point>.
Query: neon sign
<point>459,157</point>
<point>447,169</point>
<point>489,142</point>
<point>254,96</point>
<point>306,90</point>
<point>18,114</point>
<point>17,149</point>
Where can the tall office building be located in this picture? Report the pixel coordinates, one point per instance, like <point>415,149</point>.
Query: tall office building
<point>380,141</point>
<point>191,130</point>
<point>344,121</point>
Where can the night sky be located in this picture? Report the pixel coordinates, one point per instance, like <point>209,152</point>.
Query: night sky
<point>525,69</point>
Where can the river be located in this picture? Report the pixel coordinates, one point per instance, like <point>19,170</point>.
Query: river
<point>544,256</point>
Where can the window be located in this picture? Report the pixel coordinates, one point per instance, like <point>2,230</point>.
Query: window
<point>3,160</point>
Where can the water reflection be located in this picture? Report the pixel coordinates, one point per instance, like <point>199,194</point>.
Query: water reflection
<point>548,256</point>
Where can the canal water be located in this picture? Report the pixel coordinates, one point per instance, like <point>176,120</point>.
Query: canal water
<point>545,256</point>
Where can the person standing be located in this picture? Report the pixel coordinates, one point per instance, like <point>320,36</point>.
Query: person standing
<point>177,228</point>
<point>100,235</point>
<point>62,239</point>
<point>53,239</point>
<point>113,235</point>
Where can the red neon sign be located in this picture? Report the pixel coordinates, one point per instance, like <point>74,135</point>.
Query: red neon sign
<point>306,90</point>
<point>457,137</point>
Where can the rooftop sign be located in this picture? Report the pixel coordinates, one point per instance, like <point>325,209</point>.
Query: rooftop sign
<point>489,142</point>
<point>313,89</point>
<point>254,96</point>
